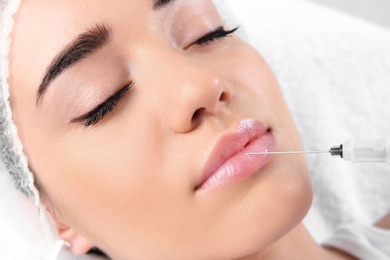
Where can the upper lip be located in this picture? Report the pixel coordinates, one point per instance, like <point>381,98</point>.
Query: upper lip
<point>229,145</point>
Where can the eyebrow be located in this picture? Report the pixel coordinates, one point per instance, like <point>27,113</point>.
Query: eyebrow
<point>84,45</point>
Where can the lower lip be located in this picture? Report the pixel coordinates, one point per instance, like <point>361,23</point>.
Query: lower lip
<point>241,165</point>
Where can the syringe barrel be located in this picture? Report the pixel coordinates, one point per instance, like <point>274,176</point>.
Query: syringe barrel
<point>367,150</point>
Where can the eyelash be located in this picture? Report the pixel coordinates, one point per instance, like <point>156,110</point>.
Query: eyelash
<point>217,34</point>
<point>102,110</point>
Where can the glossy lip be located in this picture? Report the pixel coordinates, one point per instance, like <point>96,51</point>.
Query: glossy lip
<point>229,162</point>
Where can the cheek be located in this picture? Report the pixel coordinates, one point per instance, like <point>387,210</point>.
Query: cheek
<point>84,162</point>
<point>112,155</point>
<point>253,79</point>
<point>258,93</point>
<point>114,177</point>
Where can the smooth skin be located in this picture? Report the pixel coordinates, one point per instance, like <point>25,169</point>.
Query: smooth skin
<point>126,184</point>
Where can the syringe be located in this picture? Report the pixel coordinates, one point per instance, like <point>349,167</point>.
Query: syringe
<point>358,150</point>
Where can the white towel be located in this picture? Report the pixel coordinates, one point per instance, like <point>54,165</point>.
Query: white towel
<point>335,72</point>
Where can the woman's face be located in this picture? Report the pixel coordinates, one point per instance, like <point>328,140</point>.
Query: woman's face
<point>141,102</point>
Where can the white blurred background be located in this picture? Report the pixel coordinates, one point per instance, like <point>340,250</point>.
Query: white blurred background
<point>376,11</point>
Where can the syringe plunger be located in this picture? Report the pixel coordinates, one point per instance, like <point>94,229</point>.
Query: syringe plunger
<point>364,150</point>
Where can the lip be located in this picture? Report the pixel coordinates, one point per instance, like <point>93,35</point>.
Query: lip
<point>228,161</point>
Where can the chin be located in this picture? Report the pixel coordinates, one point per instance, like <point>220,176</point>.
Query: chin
<point>277,210</point>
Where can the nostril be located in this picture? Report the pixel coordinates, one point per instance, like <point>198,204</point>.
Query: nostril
<point>224,97</point>
<point>198,113</point>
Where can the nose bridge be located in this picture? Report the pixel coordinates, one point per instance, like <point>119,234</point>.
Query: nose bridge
<point>197,84</point>
<point>188,89</point>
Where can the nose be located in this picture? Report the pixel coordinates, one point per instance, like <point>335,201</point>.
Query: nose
<point>195,92</point>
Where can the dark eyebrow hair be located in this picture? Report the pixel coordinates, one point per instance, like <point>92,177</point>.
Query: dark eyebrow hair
<point>84,45</point>
<point>159,4</point>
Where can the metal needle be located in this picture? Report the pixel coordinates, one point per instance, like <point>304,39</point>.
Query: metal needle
<point>292,152</point>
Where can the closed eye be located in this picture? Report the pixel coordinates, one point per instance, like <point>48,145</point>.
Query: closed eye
<point>217,34</point>
<point>102,110</point>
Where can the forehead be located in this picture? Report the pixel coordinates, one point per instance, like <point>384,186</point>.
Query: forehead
<point>43,27</point>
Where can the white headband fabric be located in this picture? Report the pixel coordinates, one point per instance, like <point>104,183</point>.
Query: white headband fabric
<point>28,231</point>
<point>11,151</point>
